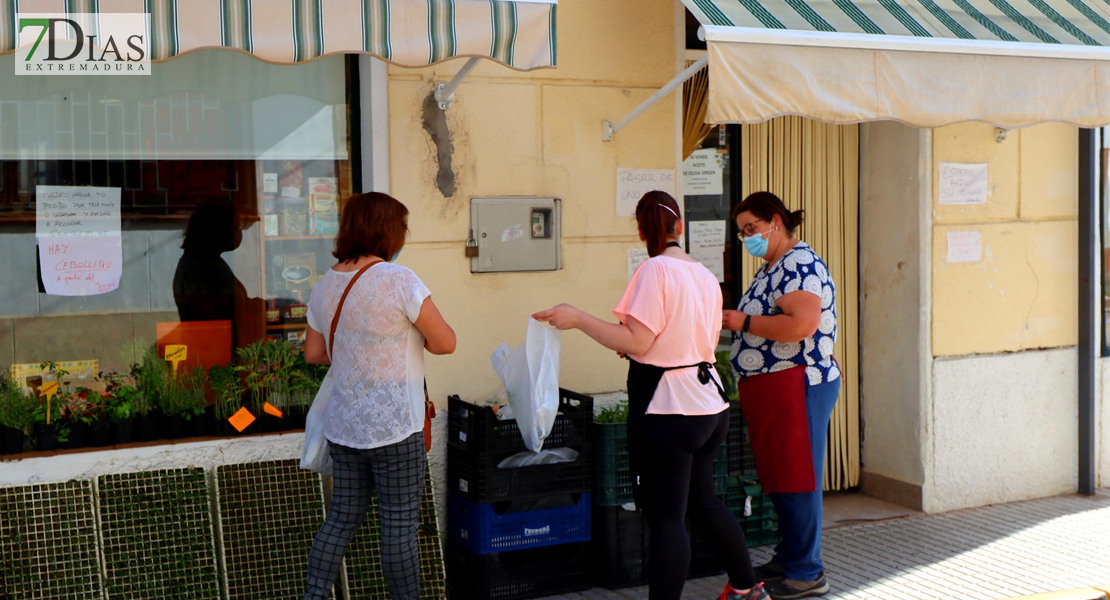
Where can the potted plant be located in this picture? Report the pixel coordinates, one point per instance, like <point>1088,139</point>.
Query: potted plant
<point>17,409</point>
<point>123,399</point>
<point>304,385</point>
<point>251,365</point>
<point>150,376</point>
<point>227,396</point>
<point>183,401</point>
<point>50,426</point>
<point>81,410</point>
<point>280,358</point>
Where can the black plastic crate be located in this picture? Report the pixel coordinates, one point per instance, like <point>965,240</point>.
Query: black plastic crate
<point>476,428</point>
<point>620,547</point>
<point>478,441</point>
<point>740,460</point>
<point>469,475</point>
<point>517,575</point>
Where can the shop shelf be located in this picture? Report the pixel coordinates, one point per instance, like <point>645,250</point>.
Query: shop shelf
<point>516,525</point>
<point>518,575</point>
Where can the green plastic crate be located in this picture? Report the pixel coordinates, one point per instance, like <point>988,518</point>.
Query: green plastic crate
<point>613,481</point>
<point>761,524</point>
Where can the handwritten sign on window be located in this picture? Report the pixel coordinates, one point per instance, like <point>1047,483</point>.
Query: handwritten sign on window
<point>632,184</point>
<point>79,239</point>
<point>707,245</point>
<point>636,257</point>
<point>962,183</point>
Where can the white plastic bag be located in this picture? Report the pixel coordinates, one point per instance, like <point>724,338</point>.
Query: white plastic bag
<point>530,373</point>
<point>315,456</point>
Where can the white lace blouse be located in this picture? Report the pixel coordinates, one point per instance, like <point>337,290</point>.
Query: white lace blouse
<point>378,360</point>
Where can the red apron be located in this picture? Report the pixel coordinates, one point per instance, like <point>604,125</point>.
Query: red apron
<point>774,406</point>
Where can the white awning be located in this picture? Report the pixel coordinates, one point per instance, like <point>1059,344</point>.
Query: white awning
<point>926,63</point>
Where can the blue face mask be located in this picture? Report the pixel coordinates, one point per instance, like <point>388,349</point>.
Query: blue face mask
<point>757,244</point>
<point>394,259</point>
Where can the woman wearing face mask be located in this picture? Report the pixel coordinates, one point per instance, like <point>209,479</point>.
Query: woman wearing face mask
<point>678,417</point>
<point>785,328</point>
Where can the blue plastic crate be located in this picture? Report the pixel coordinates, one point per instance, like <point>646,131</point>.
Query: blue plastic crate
<point>490,528</point>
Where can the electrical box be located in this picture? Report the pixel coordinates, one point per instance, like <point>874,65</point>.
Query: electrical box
<point>515,233</point>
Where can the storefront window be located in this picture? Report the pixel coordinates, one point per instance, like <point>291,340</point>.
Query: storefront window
<point>195,206</point>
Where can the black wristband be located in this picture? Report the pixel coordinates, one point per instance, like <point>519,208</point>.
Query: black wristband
<point>747,322</point>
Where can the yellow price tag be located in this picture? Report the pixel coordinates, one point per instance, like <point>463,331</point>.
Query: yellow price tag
<point>175,353</point>
<point>49,388</point>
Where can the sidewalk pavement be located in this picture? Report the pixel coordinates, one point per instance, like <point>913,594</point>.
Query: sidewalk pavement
<point>988,553</point>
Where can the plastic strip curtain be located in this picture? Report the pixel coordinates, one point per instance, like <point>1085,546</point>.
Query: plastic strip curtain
<point>815,167</point>
<point>695,101</point>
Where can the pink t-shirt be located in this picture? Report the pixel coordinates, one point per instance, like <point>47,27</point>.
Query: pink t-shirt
<point>680,302</point>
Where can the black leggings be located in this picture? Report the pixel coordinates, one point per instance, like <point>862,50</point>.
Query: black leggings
<point>680,451</point>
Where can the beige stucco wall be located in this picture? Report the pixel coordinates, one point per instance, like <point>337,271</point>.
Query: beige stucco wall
<point>536,133</point>
<point>895,225</point>
<point>1022,295</point>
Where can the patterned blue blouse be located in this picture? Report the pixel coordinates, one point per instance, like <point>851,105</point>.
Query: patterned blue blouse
<point>799,269</point>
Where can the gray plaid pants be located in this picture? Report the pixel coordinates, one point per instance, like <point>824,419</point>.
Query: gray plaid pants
<point>397,472</point>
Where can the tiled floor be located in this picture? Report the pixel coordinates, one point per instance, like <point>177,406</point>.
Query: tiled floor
<point>979,554</point>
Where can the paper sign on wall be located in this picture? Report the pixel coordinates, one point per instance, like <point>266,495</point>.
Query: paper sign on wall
<point>702,173</point>
<point>79,239</point>
<point>632,184</point>
<point>707,245</point>
<point>964,247</point>
<point>962,183</point>
<point>636,257</point>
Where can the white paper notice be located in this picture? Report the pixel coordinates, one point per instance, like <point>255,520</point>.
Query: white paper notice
<point>964,247</point>
<point>707,245</point>
<point>636,257</point>
<point>702,174</point>
<point>79,239</point>
<point>963,183</point>
<point>632,184</point>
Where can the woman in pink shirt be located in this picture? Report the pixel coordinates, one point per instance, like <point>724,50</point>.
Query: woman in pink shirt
<point>678,415</point>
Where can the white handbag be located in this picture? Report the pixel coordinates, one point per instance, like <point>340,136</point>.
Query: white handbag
<point>315,455</point>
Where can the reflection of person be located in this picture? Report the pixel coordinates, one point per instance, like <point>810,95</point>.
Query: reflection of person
<point>678,415</point>
<point>375,417</point>
<point>204,287</point>
<point>782,350</point>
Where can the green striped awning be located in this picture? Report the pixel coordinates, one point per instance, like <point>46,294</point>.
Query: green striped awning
<point>926,63</point>
<point>520,34</point>
<point>1085,22</point>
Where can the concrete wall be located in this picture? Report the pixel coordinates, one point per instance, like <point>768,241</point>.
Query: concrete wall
<point>1004,428</point>
<point>536,133</point>
<point>895,275</point>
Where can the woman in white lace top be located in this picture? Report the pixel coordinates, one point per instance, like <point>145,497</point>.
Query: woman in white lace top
<point>375,418</point>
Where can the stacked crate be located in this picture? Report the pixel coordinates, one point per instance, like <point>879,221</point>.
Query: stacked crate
<point>620,533</point>
<point>522,532</point>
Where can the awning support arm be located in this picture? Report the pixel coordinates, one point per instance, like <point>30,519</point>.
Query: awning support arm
<point>445,93</point>
<point>608,129</point>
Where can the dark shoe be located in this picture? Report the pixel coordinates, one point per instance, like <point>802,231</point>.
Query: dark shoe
<point>770,572</point>
<point>756,593</point>
<point>788,589</point>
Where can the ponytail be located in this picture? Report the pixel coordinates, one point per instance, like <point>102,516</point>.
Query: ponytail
<point>657,216</point>
<point>765,205</point>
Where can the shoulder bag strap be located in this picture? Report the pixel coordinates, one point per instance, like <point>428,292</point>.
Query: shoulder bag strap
<point>343,300</point>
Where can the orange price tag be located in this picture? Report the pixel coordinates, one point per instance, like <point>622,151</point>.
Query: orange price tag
<point>241,419</point>
<point>271,410</point>
<point>175,353</point>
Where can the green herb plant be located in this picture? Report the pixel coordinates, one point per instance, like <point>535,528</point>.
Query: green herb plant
<point>227,390</point>
<point>185,394</point>
<point>121,397</point>
<point>151,376</point>
<point>611,415</point>
<point>17,407</point>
